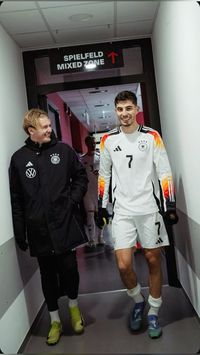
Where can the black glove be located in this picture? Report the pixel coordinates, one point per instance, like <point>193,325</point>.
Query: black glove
<point>170,217</point>
<point>22,244</point>
<point>101,217</point>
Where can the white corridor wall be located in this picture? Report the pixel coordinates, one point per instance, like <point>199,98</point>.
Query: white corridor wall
<point>176,52</point>
<point>18,313</point>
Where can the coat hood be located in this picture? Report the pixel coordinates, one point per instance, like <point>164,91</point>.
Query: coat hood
<point>36,146</point>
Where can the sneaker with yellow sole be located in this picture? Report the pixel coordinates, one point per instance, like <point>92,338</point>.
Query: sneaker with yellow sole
<point>54,333</point>
<point>77,321</point>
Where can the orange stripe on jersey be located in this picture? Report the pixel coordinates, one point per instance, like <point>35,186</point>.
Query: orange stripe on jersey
<point>103,141</point>
<point>168,188</point>
<point>101,186</point>
<point>157,138</point>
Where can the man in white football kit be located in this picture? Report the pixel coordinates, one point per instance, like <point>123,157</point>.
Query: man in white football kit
<point>135,155</point>
<point>91,161</point>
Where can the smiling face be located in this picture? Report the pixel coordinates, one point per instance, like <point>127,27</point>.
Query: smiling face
<point>41,133</point>
<point>126,112</point>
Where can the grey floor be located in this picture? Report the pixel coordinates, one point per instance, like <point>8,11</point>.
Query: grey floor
<point>106,306</point>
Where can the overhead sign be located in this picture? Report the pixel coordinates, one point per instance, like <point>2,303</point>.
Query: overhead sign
<point>85,58</point>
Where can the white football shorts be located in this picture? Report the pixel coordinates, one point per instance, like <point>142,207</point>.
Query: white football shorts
<point>149,230</point>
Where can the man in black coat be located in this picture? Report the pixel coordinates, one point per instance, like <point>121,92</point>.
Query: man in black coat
<point>47,184</point>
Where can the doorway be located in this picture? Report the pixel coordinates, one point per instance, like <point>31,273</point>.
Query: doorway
<point>138,68</point>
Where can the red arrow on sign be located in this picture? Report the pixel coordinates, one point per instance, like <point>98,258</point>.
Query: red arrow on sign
<point>113,55</point>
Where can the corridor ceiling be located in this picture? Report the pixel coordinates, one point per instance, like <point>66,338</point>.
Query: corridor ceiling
<point>42,24</point>
<point>48,24</point>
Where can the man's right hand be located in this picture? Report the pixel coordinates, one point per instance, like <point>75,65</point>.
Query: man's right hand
<point>22,244</point>
<point>101,217</point>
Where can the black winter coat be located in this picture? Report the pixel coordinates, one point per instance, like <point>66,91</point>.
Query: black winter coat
<point>47,184</point>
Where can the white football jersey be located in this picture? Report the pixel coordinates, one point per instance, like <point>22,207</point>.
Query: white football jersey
<point>133,160</point>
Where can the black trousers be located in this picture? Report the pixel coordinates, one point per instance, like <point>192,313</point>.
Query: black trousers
<point>59,277</point>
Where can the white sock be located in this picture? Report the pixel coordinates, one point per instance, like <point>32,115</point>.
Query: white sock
<point>154,304</point>
<point>135,293</point>
<point>73,303</point>
<point>54,316</point>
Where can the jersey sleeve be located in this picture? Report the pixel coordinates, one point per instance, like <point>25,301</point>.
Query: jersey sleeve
<point>104,173</point>
<point>164,173</point>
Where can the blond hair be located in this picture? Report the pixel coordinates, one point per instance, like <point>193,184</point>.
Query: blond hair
<point>31,118</point>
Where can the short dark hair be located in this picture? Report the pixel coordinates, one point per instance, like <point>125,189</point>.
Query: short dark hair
<point>126,95</point>
<point>89,139</point>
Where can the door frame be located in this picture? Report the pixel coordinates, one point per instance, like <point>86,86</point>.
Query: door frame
<point>36,96</point>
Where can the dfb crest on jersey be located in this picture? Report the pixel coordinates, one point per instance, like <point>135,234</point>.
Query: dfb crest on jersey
<point>142,145</point>
<point>55,159</point>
